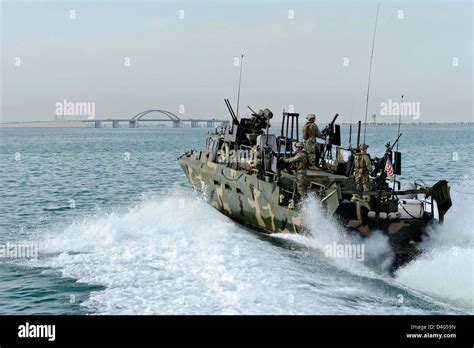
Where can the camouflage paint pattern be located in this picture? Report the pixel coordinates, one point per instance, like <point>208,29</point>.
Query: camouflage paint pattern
<point>239,195</point>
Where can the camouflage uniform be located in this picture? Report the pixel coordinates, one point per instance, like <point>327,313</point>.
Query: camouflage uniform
<point>363,167</point>
<point>310,132</point>
<point>300,160</point>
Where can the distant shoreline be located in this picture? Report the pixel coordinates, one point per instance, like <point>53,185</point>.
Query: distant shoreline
<point>414,124</point>
<point>79,124</point>
<point>44,124</point>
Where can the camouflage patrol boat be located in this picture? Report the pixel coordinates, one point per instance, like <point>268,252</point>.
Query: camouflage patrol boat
<point>240,172</point>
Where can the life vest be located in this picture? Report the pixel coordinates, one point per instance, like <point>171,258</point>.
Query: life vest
<point>310,130</point>
<point>360,163</point>
<point>303,162</point>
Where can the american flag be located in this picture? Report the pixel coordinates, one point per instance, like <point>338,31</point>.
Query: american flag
<point>389,170</point>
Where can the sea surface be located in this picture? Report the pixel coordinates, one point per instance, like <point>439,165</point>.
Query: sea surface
<point>117,229</point>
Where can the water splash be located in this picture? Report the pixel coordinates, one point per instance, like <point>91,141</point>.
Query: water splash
<point>177,255</point>
<point>446,269</point>
<point>325,233</point>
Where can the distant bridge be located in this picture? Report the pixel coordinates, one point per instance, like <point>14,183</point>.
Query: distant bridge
<point>176,121</point>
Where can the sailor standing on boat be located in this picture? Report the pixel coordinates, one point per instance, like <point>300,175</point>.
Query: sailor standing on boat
<point>310,132</point>
<point>300,163</point>
<point>363,166</point>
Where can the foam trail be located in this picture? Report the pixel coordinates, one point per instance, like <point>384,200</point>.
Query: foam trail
<point>446,268</point>
<point>178,255</point>
<point>325,233</point>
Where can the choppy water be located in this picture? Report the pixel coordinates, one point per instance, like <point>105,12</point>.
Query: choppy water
<point>120,231</point>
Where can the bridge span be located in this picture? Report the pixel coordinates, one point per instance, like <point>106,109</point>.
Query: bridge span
<point>176,121</point>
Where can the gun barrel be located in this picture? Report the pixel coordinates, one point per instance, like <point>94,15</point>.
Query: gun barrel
<point>253,112</point>
<point>231,111</point>
<point>396,141</point>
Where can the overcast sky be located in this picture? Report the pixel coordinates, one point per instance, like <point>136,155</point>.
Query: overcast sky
<point>294,54</point>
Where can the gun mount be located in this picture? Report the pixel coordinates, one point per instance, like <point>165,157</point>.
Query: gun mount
<point>246,130</point>
<point>332,132</point>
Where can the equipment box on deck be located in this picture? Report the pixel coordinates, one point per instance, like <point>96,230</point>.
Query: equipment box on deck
<point>410,208</point>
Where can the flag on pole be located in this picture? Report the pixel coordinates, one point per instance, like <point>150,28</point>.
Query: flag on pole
<point>389,170</point>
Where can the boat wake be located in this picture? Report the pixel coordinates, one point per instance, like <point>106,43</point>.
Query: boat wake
<point>446,268</point>
<point>363,256</point>
<point>177,255</point>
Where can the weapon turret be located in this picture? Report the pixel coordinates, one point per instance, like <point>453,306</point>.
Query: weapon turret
<point>332,132</point>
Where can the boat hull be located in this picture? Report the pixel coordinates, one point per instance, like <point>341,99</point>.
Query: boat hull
<point>256,203</point>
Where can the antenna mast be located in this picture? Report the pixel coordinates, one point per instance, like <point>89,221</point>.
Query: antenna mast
<point>370,70</point>
<point>398,133</point>
<point>240,80</point>
<point>399,118</point>
<point>350,126</point>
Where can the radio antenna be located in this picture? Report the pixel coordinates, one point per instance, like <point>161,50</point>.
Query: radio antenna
<point>398,133</point>
<point>370,70</point>
<point>240,80</point>
<point>350,125</point>
<point>399,118</point>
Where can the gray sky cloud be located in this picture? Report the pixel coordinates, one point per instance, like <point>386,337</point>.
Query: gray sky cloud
<point>189,61</point>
